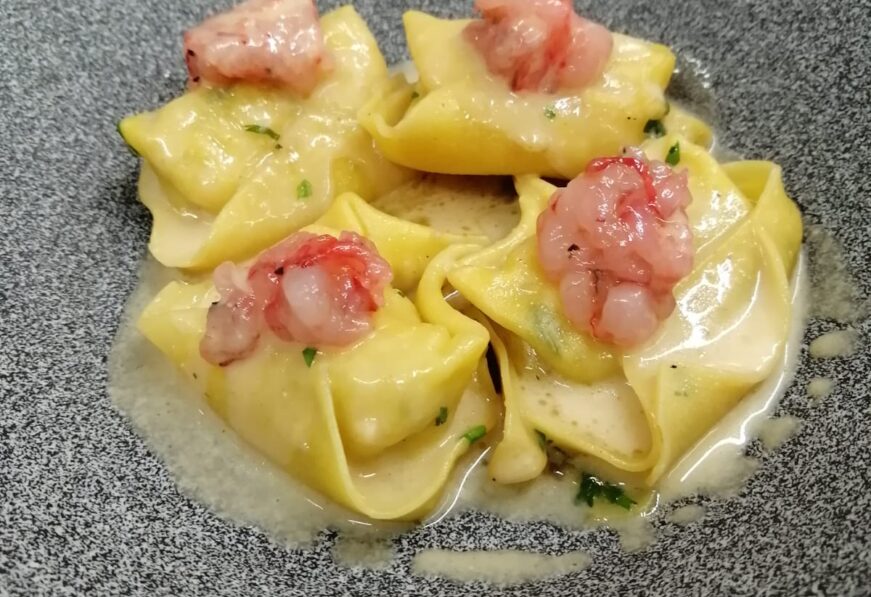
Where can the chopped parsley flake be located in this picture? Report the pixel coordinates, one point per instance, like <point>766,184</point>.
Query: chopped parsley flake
<point>542,439</point>
<point>304,190</point>
<point>550,113</point>
<point>654,128</point>
<point>443,416</point>
<point>261,130</point>
<point>309,355</point>
<point>414,95</point>
<point>673,157</point>
<point>475,433</point>
<point>592,488</point>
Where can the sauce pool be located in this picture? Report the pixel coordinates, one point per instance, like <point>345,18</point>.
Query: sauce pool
<point>215,467</point>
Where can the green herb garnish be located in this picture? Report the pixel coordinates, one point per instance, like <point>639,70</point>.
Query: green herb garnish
<point>443,416</point>
<point>550,113</point>
<point>475,433</point>
<point>542,439</point>
<point>654,128</point>
<point>304,190</point>
<point>308,355</point>
<point>616,495</point>
<point>673,157</point>
<point>414,95</point>
<point>262,130</point>
<point>593,487</point>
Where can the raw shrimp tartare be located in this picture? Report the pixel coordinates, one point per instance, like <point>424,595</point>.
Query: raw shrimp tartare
<point>539,45</point>
<point>274,42</point>
<point>317,290</point>
<point>617,240</point>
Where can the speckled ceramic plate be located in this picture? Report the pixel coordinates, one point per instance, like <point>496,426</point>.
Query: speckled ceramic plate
<point>86,508</point>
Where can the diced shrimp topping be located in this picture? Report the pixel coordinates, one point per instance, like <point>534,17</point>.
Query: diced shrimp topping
<point>617,241</point>
<point>539,45</point>
<point>270,42</point>
<point>316,290</point>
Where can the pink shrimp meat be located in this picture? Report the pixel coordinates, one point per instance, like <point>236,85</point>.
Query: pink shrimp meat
<point>539,45</point>
<point>270,42</point>
<point>617,241</point>
<point>316,290</point>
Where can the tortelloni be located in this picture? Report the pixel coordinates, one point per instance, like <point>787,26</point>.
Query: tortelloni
<point>640,409</point>
<point>377,425</point>
<point>230,171</point>
<point>461,119</point>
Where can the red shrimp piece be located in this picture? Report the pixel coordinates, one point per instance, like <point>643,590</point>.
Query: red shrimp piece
<point>539,45</point>
<point>272,42</point>
<point>316,290</point>
<point>617,241</point>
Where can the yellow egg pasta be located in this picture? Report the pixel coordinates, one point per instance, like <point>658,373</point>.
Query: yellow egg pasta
<point>460,119</point>
<point>228,172</point>
<point>684,124</point>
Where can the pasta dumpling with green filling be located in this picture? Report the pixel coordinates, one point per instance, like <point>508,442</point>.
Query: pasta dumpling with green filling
<point>462,119</point>
<point>362,423</point>
<point>229,171</point>
<point>726,334</point>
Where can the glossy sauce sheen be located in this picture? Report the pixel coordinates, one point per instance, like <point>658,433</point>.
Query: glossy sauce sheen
<point>840,343</point>
<point>460,205</point>
<point>820,387</point>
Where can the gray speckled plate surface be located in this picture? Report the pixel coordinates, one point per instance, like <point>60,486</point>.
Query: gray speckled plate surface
<point>86,509</point>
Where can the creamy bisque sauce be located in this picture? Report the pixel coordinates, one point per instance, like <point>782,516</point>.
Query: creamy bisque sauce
<point>841,343</point>
<point>834,293</point>
<point>372,553</point>
<point>499,567</point>
<point>777,431</point>
<point>820,387</point>
<point>687,514</point>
